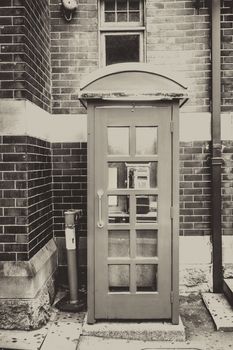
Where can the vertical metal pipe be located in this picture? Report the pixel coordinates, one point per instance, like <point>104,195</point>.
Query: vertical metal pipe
<point>73,304</point>
<point>216,160</point>
<point>71,249</point>
<point>72,275</point>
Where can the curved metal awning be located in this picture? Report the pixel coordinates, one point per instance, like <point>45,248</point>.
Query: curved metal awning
<point>131,82</point>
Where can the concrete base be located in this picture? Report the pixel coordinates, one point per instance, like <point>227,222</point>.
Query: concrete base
<point>220,311</point>
<point>228,290</point>
<point>159,331</point>
<point>27,290</point>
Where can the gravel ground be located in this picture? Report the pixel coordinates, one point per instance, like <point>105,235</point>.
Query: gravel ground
<point>199,325</point>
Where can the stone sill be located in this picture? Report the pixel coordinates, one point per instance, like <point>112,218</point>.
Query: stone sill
<point>25,279</point>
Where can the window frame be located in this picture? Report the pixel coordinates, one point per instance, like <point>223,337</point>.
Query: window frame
<point>121,28</point>
<point>112,33</point>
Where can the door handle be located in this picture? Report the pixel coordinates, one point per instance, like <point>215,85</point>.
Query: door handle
<point>100,222</point>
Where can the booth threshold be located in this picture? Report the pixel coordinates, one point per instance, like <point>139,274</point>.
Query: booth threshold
<point>138,330</point>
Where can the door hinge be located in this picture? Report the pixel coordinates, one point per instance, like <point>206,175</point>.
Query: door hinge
<point>171,212</point>
<point>172,297</point>
<point>171,126</point>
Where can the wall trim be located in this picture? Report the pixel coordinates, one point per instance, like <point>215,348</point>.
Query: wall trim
<point>22,117</point>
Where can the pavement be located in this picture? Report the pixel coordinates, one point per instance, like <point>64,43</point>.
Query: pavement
<point>64,332</point>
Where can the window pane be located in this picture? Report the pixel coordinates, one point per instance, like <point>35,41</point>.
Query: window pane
<point>147,244</point>
<point>109,16</point>
<point>121,17</point>
<point>134,4</point>
<point>146,209</point>
<point>118,140</point>
<point>118,243</point>
<point>121,5</point>
<point>109,5</point>
<point>140,175</point>
<point>146,278</point>
<point>118,209</point>
<point>146,140</point>
<point>122,48</point>
<point>134,16</point>
<point>118,277</point>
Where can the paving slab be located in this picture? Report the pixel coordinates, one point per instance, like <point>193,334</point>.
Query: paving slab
<point>62,336</point>
<point>163,331</point>
<point>26,340</point>
<point>220,310</point>
<point>61,332</point>
<point>65,331</point>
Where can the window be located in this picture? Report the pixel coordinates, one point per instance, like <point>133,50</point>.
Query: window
<point>119,11</point>
<point>121,31</point>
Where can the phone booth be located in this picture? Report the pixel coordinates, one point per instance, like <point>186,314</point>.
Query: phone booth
<point>133,199</point>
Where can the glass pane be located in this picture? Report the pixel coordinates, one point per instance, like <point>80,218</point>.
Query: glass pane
<point>118,243</point>
<point>122,17</point>
<point>109,16</point>
<point>121,5</point>
<point>118,209</point>
<point>118,277</point>
<point>134,17</point>
<point>146,243</point>
<point>122,48</point>
<point>118,140</point>
<point>146,140</point>
<point>146,208</point>
<point>134,4</point>
<point>109,5</point>
<point>140,175</point>
<point>146,278</point>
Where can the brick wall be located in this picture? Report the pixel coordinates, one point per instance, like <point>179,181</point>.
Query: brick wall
<point>74,53</point>
<point>227,55</point>
<point>178,40</point>
<point>227,188</point>
<point>14,231</point>
<point>25,51</point>
<point>40,221</point>
<point>195,189</point>
<point>26,193</point>
<point>26,207</point>
<point>70,192</point>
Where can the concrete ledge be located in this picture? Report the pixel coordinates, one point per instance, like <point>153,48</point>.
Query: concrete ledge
<point>23,279</point>
<point>163,331</point>
<point>27,290</point>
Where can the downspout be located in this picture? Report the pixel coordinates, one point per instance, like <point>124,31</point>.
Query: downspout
<point>216,160</point>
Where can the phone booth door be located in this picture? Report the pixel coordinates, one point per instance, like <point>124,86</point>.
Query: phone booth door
<point>132,209</point>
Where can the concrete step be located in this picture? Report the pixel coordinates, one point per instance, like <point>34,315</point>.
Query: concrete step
<point>228,290</point>
<point>159,331</point>
<point>220,311</point>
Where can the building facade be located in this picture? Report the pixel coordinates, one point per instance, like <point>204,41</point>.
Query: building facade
<point>44,58</point>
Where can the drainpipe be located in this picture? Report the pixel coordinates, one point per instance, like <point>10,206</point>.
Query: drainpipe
<point>216,160</point>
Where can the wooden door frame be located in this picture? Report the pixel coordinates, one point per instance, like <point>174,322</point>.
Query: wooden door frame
<point>174,202</point>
